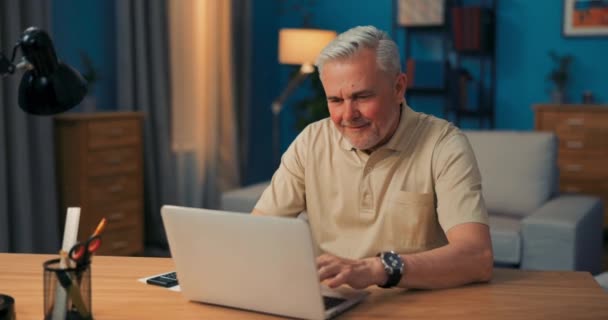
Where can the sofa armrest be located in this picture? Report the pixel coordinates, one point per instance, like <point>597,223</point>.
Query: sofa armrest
<point>243,199</point>
<point>564,234</point>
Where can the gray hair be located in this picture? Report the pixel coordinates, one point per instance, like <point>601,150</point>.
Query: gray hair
<point>348,44</point>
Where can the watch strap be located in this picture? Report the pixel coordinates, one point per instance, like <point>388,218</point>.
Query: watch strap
<point>393,280</point>
<point>394,274</point>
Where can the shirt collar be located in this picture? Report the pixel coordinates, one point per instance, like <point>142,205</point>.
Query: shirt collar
<point>406,124</point>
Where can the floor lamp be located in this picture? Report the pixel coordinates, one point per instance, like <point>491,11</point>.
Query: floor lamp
<point>296,47</point>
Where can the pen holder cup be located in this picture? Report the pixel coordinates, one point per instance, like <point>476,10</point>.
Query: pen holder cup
<point>67,291</point>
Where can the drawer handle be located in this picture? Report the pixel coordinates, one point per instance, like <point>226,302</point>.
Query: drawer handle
<point>575,121</point>
<point>576,144</point>
<point>574,167</point>
<point>572,189</point>
<point>116,188</point>
<point>116,132</point>
<point>114,160</point>
<point>119,244</point>
<point>116,216</point>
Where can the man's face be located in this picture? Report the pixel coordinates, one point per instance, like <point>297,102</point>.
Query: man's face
<point>363,100</point>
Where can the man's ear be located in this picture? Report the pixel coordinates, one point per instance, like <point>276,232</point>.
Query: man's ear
<point>400,86</point>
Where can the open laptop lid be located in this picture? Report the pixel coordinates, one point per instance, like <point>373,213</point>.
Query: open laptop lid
<point>256,263</point>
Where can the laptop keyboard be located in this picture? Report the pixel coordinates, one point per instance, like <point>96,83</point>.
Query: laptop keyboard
<point>331,302</point>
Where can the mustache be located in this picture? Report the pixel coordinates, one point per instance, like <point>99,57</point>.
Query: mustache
<point>354,123</point>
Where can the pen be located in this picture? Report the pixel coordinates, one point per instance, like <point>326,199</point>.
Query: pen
<point>100,227</point>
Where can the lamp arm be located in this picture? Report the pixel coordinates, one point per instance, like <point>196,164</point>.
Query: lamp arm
<point>8,67</point>
<point>277,104</point>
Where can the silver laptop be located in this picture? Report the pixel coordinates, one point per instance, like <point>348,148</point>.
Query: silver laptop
<point>263,264</point>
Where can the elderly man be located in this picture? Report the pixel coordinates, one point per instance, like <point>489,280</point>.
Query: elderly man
<point>393,196</point>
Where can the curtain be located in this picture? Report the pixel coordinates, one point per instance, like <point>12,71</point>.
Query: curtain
<point>203,100</point>
<point>143,84</point>
<point>29,220</point>
<point>242,55</point>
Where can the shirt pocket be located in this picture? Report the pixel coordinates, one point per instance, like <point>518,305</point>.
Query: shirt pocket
<point>411,221</point>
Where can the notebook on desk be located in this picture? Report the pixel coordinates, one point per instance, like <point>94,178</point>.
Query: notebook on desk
<point>263,264</point>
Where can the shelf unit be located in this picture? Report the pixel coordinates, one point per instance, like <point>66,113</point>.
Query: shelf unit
<point>468,83</point>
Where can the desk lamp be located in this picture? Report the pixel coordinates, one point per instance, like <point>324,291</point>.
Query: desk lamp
<point>296,47</point>
<point>48,86</point>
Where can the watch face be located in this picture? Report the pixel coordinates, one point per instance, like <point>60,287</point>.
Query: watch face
<point>393,265</point>
<point>393,260</point>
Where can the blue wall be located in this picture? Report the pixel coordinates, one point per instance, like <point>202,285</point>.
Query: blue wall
<point>88,26</point>
<point>265,87</point>
<point>527,30</point>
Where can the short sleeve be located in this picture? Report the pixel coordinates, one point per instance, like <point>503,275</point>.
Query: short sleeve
<point>457,183</point>
<point>286,194</point>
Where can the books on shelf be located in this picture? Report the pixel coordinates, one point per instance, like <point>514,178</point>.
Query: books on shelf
<point>472,29</point>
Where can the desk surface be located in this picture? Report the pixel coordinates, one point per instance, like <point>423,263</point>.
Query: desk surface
<point>512,294</point>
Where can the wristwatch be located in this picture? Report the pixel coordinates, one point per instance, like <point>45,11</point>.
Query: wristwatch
<point>393,266</point>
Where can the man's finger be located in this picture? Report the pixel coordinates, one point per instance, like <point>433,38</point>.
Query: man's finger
<point>324,260</point>
<point>338,280</point>
<point>328,271</point>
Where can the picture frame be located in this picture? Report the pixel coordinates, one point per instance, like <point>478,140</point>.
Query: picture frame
<point>420,13</point>
<point>585,18</point>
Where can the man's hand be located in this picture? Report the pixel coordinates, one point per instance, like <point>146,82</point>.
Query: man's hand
<point>358,274</point>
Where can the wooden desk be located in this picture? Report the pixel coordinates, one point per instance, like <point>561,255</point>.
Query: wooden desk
<point>512,294</point>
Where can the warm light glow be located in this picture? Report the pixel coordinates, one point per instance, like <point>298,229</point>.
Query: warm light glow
<point>300,46</point>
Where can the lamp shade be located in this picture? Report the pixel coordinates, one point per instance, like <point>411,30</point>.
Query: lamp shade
<point>302,46</point>
<point>50,86</point>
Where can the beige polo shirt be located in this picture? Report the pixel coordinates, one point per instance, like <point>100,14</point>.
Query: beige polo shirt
<point>403,196</point>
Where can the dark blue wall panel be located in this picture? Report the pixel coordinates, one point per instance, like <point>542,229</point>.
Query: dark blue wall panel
<point>89,27</point>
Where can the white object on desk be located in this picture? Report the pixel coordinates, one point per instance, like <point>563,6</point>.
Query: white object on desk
<point>70,235</point>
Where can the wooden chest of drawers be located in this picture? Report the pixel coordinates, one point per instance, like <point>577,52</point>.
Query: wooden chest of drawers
<point>100,170</point>
<point>583,147</point>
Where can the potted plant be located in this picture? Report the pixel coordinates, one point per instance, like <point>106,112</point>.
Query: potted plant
<point>559,76</point>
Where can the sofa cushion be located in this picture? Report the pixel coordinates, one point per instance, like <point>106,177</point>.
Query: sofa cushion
<point>519,169</point>
<point>565,234</point>
<point>243,199</point>
<point>506,239</point>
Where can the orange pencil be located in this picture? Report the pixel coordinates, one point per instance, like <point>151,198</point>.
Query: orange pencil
<point>100,227</point>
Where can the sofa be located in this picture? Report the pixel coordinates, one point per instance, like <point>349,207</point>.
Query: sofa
<point>532,225</point>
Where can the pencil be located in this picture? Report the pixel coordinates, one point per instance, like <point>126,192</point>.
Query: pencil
<point>100,227</point>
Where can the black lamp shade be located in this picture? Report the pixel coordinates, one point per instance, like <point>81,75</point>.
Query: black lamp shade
<point>50,86</point>
<point>58,92</point>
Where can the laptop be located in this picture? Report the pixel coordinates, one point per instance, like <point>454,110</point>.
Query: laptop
<point>263,264</point>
